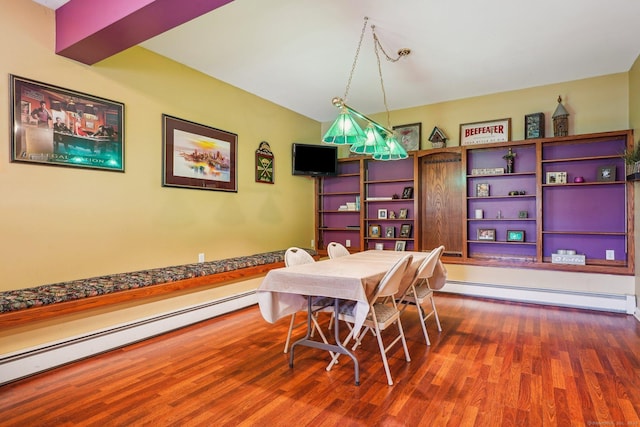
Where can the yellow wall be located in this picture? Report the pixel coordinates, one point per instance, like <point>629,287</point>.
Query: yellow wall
<point>61,223</point>
<point>595,105</point>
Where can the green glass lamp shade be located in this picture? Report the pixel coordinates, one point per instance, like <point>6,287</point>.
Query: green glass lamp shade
<point>345,130</point>
<point>369,146</point>
<point>394,151</point>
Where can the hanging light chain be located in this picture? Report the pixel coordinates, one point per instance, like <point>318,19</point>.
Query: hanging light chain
<point>355,59</point>
<point>401,52</point>
<point>376,44</point>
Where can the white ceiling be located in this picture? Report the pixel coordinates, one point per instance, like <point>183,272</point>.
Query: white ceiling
<point>299,53</point>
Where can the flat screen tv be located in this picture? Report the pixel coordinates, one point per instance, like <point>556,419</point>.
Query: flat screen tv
<point>314,160</point>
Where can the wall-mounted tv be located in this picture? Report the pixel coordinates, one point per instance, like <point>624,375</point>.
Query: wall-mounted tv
<point>314,160</point>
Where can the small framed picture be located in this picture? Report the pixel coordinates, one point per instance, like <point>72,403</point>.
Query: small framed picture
<point>390,232</point>
<point>404,213</point>
<point>382,214</point>
<point>374,230</point>
<point>534,126</point>
<point>405,230</point>
<point>482,189</point>
<point>556,177</point>
<point>515,235</point>
<point>523,214</point>
<point>606,173</point>
<point>486,234</point>
<point>379,246</point>
<point>407,193</point>
<point>400,245</point>
<point>409,136</point>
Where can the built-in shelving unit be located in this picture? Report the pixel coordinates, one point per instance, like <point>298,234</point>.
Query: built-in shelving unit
<point>338,215</point>
<point>566,195</point>
<point>588,212</point>
<point>389,204</point>
<point>501,207</point>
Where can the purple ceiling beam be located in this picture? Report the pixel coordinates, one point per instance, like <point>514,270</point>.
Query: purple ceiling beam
<point>90,31</point>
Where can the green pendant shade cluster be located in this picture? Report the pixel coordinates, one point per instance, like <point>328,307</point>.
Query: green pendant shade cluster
<point>375,140</point>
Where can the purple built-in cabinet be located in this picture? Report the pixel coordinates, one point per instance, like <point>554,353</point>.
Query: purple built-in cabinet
<point>389,204</point>
<point>501,206</point>
<point>565,195</point>
<point>588,213</point>
<point>335,223</point>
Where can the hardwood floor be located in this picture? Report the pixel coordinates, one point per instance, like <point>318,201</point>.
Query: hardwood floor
<point>495,363</point>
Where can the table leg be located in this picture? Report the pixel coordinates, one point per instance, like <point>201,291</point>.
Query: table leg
<point>337,347</point>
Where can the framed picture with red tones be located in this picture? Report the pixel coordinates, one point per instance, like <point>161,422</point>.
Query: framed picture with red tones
<point>55,126</point>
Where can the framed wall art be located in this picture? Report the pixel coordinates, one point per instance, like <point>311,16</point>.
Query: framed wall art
<point>482,189</point>
<point>390,232</point>
<point>515,235</point>
<point>556,178</point>
<point>198,156</point>
<point>485,132</point>
<point>606,173</point>
<point>405,230</point>
<point>264,163</point>
<point>382,214</point>
<point>62,127</point>
<point>487,234</point>
<point>409,136</point>
<point>534,126</point>
<point>407,193</point>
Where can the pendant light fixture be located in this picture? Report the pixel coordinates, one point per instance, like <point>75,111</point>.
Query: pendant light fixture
<point>376,140</point>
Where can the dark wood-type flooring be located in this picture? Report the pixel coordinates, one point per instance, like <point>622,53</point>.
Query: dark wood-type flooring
<point>495,363</point>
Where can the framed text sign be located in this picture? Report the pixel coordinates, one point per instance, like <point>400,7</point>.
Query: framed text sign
<point>485,132</point>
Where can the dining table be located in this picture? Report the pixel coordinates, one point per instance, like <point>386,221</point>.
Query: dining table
<point>354,277</point>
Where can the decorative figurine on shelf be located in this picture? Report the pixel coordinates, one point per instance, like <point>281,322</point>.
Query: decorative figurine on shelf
<point>509,157</point>
<point>560,120</point>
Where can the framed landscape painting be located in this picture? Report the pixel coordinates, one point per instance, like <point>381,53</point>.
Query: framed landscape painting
<point>62,127</point>
<point>198,156</point>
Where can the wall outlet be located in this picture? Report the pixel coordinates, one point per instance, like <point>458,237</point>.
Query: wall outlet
<point>201,257</point>
<point>313,243</point>
<point>348,243</point>
<point>610,254</point>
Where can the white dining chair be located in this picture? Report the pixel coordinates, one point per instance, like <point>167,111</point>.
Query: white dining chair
<point>417,290</point>
<point>383,312</point>
<point>335,250</point>
<point>297,256</point>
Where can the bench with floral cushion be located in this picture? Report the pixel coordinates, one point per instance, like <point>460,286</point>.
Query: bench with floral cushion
<point>45,301</point>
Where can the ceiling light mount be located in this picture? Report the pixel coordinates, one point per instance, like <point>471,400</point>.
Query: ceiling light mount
<point>378,140</point>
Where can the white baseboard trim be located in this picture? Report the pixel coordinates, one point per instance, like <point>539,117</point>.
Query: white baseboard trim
<point>21,364</point>
<point>27,362</point>
<point>593,301</point>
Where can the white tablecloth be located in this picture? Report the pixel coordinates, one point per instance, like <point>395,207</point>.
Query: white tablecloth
<point>353,277</point>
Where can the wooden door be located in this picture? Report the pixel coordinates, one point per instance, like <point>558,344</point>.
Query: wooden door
<point>442,201</point>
